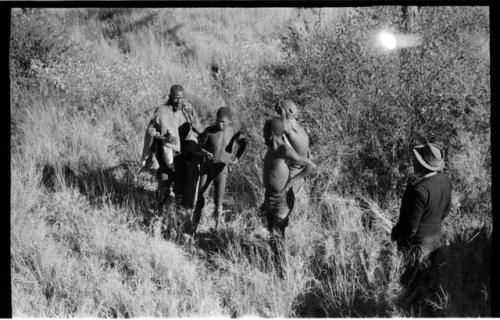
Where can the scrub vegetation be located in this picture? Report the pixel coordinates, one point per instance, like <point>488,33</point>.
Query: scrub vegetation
<point>85,237</point>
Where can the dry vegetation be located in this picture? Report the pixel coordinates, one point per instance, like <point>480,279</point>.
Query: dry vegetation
<point>85,237</point>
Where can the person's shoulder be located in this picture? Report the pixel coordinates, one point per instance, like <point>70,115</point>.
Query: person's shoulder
<point>437,179</point>
<point>162,108</point>
<point>211,129</point>
<point>419,184</point>
<point>187,106</point>
<point>443,176</point>
<point>443,180</point>
<point>420,191</point>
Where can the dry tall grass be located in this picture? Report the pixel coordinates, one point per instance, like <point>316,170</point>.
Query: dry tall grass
<point>85,238</point>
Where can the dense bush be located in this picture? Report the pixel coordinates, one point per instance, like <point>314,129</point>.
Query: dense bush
<point>367,107</point>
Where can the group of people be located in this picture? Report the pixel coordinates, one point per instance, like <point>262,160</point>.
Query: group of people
<point>188,158</point>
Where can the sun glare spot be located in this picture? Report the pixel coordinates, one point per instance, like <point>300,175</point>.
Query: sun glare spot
<point>387,40</point>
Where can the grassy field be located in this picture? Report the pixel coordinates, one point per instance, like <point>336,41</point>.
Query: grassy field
<point>85,237</point>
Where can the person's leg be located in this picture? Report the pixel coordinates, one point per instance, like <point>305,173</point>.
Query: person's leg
<point>190,183</point>
<point>221,173</point>
<point>290,205</point>
<point>277,243</point>
<point>207,176</point>
<point>164,182</point>
<point>179,165</point>
<point>411,260</point>
<point>429,269</point>
<point>200,203</point>
<point>168,154</point>
<point>282,224</point>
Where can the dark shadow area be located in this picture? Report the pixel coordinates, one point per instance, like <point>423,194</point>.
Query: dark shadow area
<point>455,284</point>
<point>123,187</point>
<point>118,185</point>
<point>307,304</point>
<point>320,300</point>
<point>458,284</point>
<point>313,303</point>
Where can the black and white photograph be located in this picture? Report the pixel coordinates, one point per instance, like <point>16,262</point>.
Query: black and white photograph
<point>261,162</point>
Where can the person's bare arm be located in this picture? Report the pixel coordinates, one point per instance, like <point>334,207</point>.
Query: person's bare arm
<point>240,140</point>
<point>203,138</point>
<point>242,144</point>
<point>196,124</point>
<point>192,117</point>
<point>295,158</point>
<point>195,149</point>
<point>154,126</point>
<point>202,141</point>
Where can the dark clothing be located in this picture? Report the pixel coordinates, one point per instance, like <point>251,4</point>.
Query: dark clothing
<point>277,208</point>
<point>186,174</point>
<point>425,204</point>
<point>423,258</point>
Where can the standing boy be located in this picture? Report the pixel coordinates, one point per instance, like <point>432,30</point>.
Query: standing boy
<point>219,140</point>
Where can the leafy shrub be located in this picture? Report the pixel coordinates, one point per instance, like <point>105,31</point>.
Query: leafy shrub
<point>366,108</point>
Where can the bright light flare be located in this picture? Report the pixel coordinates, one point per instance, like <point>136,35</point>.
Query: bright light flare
<point>387,40</point>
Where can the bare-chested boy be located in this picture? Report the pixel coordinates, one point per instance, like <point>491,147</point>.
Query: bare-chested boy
<point>218,139</point>
<point>280,157</point>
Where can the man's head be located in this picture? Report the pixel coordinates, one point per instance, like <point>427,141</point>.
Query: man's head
<point>176,96</point>
<point>273,131</point>
<point>290,108</point>
<point>419,169</point>
<point>224,117</point>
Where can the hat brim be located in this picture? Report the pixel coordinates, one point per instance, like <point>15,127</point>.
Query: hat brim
<point>419,158</point>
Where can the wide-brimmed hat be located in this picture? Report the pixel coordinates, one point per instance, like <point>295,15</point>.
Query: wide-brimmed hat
<point>430,156</point>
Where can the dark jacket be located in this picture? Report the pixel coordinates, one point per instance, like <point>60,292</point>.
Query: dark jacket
<point>425,204</point>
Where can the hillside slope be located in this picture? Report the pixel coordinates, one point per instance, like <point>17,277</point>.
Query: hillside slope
<point>86,240</point>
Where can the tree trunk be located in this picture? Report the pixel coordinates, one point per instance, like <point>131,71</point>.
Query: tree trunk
<point>410,18</point>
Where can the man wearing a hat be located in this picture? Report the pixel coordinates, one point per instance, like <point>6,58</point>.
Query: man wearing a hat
<point>426,202</point>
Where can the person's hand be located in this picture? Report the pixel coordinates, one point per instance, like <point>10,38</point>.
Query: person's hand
<point>288,185</point>
<point>208,155</point>
<point>234,160</point>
